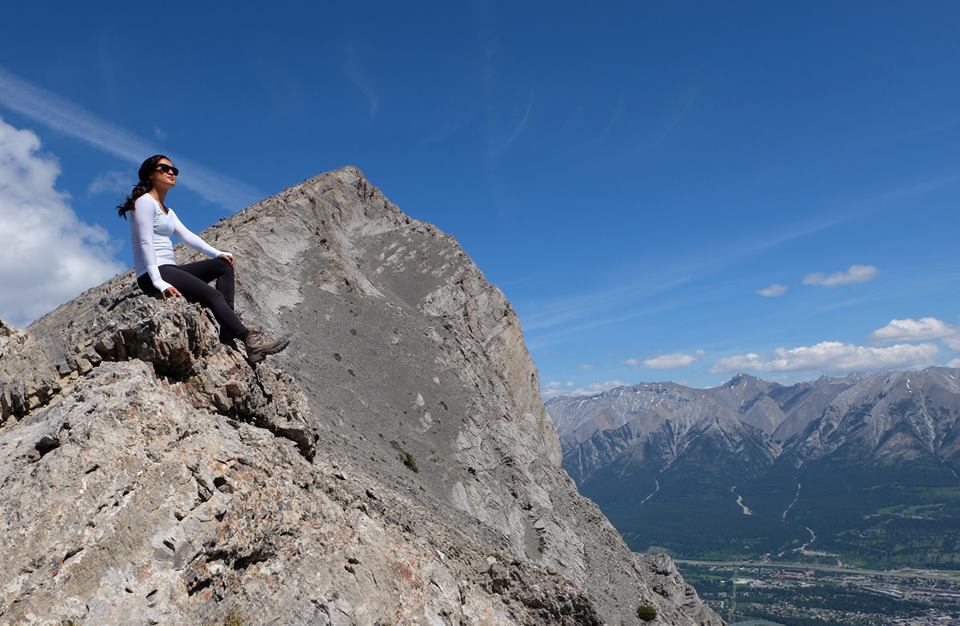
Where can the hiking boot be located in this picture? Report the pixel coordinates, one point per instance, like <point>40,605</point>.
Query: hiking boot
<point>258,346</point>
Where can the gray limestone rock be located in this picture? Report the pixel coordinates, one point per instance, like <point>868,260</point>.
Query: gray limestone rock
<point>395,465</point>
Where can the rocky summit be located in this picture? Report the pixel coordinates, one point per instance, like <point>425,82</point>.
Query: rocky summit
<point>395,465</point>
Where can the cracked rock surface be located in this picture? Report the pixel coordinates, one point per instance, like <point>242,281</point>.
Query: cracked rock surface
<point>395,465</point>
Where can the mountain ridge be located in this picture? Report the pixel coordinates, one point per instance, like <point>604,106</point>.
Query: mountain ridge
<point>868,451</point>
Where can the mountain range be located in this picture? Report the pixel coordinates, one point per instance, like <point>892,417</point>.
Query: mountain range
<point>860,469</point>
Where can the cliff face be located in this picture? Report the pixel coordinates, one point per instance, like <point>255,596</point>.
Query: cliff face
<point>394,465</point>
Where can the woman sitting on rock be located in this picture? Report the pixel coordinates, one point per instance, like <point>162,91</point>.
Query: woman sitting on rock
<point>157,269</point>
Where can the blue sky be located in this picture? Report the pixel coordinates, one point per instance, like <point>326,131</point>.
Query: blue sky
<point>633,177</point>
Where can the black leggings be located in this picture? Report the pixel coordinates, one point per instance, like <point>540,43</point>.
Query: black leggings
<point>191,281</point>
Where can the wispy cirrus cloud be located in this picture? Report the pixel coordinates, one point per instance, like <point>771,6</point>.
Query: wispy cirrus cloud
<point>498,144</point>
<point>501,128</point>
<point>854,274</point>
<point>684,102</point>
<point>360,78</point>
<point>555,319</point>
<point>611,121</point>
<point>61,115</point>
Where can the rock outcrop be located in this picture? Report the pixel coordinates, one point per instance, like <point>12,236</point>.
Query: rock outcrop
<point>395,465</point>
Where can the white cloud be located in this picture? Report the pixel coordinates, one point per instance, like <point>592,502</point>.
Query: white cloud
<point>910,329</point>
<point>953,363</point>
<point>586,366</point>
<point>855,274</point>
<point>677,359</point>
<point>632,362</point>
<point>773,291</point>
<point>160,134</point>
<point>919,330</point>
<point>48,255</point>
<point>66,117</point>
<point>112,181</point>
<point>832,356</point>
<point>555,388</point>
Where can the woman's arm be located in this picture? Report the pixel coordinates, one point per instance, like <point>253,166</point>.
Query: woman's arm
<point>143,236</point>
<point>192,240</point>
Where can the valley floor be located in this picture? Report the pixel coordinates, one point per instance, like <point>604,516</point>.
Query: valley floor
<point>817,595</point>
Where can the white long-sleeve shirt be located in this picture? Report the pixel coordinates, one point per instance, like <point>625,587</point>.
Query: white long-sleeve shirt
<point>150,231</point>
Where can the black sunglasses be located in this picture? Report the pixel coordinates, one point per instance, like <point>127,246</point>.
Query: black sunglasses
<point>163,167</point>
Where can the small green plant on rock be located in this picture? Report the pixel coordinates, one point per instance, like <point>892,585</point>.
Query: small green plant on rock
<point>647,612</point>
<point>405,457</point>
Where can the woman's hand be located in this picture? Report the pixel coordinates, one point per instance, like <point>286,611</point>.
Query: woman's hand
<point>172,292</point>
<point>228,258</point>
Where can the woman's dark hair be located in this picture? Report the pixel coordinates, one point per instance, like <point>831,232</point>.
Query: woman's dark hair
<point>144,184</point>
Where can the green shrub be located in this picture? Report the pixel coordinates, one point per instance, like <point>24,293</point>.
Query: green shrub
<point>646,612</point>
<point>405,457</point>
